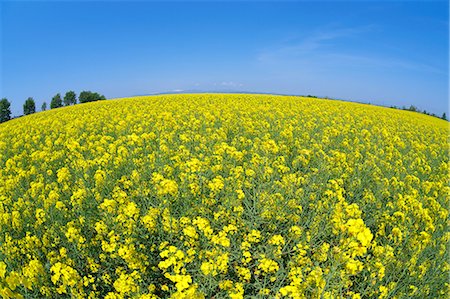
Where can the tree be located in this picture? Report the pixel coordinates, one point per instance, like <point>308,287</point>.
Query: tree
<point>56,101</point>
<point>5,110</point>
<point>44,106</point>
<point>70,98</point>
<point>29,107</point>
<point>412,108</point>
<point>444,116</point>
<point>88,96</point>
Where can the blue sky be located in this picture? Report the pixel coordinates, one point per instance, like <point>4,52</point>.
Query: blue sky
<point>388,53</point>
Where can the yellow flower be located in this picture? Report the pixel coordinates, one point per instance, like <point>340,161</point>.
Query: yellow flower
<point>364,237</point>
<point>397,233</point>
<point>63,175</point>
<point>2,269</point>
<point>221,239</point>
<point>276,240</point>
<point>383,291</point>
<point>216,184</point>
<point>207,268</point>
<point>13,280</point>
<point>99,177</point>
<point>191,232</point>
<point>126,283</point>
<point>268,265</point>
<point>225,284</point>
<point>40,216</point>
<point>167,187</point>
<point>353,266</point>
<point>237,292</point>
<point>254,236</point>
<point>244,273</point>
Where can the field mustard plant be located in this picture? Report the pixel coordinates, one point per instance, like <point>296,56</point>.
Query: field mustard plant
<point>224,196</point>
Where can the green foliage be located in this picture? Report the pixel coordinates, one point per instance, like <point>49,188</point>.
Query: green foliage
<point>415,109</point>
<point>88,96</point>
<point>44,106</point>
<point>412,108</point>
<point>29,107</point>
<point>70,98</point>
<point>5,110</point>
<point>56,101</point>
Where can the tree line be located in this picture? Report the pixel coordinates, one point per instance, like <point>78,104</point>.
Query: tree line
<point>29,107</point>
<point>415,109</point>
<point>410,108</point>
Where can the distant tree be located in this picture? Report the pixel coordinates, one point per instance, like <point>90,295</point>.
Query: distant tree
<point>29,107</point>
<point>88,96</point>
<point>5,110</point>
<point>44,106</point>
<point>444,116</point>
<point>412,108</point>
<point>70,98</point>
<point>56,101</point>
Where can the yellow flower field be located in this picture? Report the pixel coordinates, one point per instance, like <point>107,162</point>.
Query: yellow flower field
<point>224,196</point>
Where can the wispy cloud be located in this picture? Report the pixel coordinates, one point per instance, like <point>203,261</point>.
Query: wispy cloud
<point>300,46</point>
<point>384,62</point>
<point>228,84</point>
<point>323,48</point>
